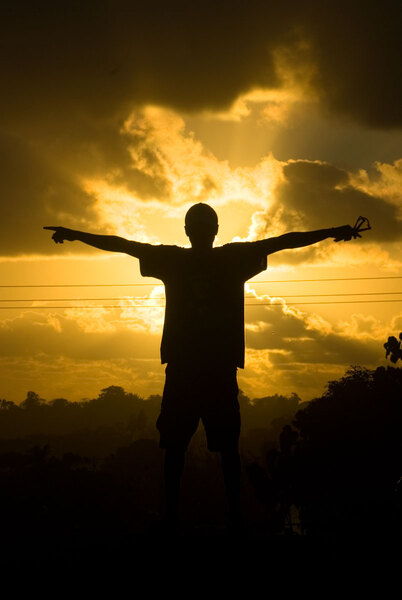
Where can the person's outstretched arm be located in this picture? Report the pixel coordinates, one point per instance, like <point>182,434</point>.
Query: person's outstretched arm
<point>306,238</point>
<point>111,243</point>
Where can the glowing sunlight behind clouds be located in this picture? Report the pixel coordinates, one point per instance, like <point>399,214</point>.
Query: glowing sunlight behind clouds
<point>269,198</point>
<point>164,150</point>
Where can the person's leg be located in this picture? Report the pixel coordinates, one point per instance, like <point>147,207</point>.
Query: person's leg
<point>176,424</point>
<point>221,418</point>
<point>174,465</point>
<point>231,468</point>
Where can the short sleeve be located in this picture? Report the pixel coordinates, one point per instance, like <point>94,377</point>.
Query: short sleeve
<point>153,261</point>
<point>158,261</point>
<point>249,259</point>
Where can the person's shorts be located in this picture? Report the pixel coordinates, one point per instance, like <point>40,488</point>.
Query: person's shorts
<point>209,394</point>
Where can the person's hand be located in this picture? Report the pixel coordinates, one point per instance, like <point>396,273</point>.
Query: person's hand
<point>61,234</point>
<point>345,233</point>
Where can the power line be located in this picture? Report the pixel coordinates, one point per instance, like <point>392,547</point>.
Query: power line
<point>333,295</point>
<point>87,299</point>
<point>64,285</point>
<point>144,298</point>
<point>325,302</point>
<point>330,279</point>
<point>163,305</point>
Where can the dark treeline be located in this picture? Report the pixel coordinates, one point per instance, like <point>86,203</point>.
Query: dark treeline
<point>329,467</point>
<point>66,467</point>
<point>116,418</point>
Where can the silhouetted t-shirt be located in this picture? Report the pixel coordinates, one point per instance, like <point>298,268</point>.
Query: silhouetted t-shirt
<point>204,318</point>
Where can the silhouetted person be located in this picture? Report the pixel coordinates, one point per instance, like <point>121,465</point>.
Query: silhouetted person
<point>203,335</point>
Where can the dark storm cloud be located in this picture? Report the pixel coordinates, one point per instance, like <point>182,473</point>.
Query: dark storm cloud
<point>40,181</point>
<point>357,48</point>
<point>319,193</point>
<point>101,57</point>
<point>315,195</point>
<point>30,192</point>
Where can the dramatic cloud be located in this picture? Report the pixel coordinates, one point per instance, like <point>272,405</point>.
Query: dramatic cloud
<point>294,351</point>
<point>100,57</point>
<point>356,48</point>
<point>33,192</point>
<point>73,73</point>
<point>168,169</point>
<point>296,337</point>
<point>315,195</point>
<point>104,334</point>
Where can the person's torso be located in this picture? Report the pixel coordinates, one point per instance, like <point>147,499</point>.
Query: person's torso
<point>204,320</point>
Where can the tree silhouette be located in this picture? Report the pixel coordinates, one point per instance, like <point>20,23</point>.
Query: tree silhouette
<point>393,348</point>
<point>32,401</point>
<point>342,470</point>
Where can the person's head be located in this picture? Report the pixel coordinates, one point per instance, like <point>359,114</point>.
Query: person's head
<point>201,225</point>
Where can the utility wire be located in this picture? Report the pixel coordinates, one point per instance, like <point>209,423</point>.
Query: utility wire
<point>163,306</point>
<point>64,285</point>
<point>329,279</point>
<point>332,295</point>
<point>162,298</point>
<point>144,298</point>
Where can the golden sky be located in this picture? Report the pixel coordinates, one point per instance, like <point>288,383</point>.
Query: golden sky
<point>117,116</point>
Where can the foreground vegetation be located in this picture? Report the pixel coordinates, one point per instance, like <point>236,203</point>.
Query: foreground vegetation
<point>330,467</point>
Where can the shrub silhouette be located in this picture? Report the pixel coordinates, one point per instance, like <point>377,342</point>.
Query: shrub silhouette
<point>342,469</point>
<point>393,348</point>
